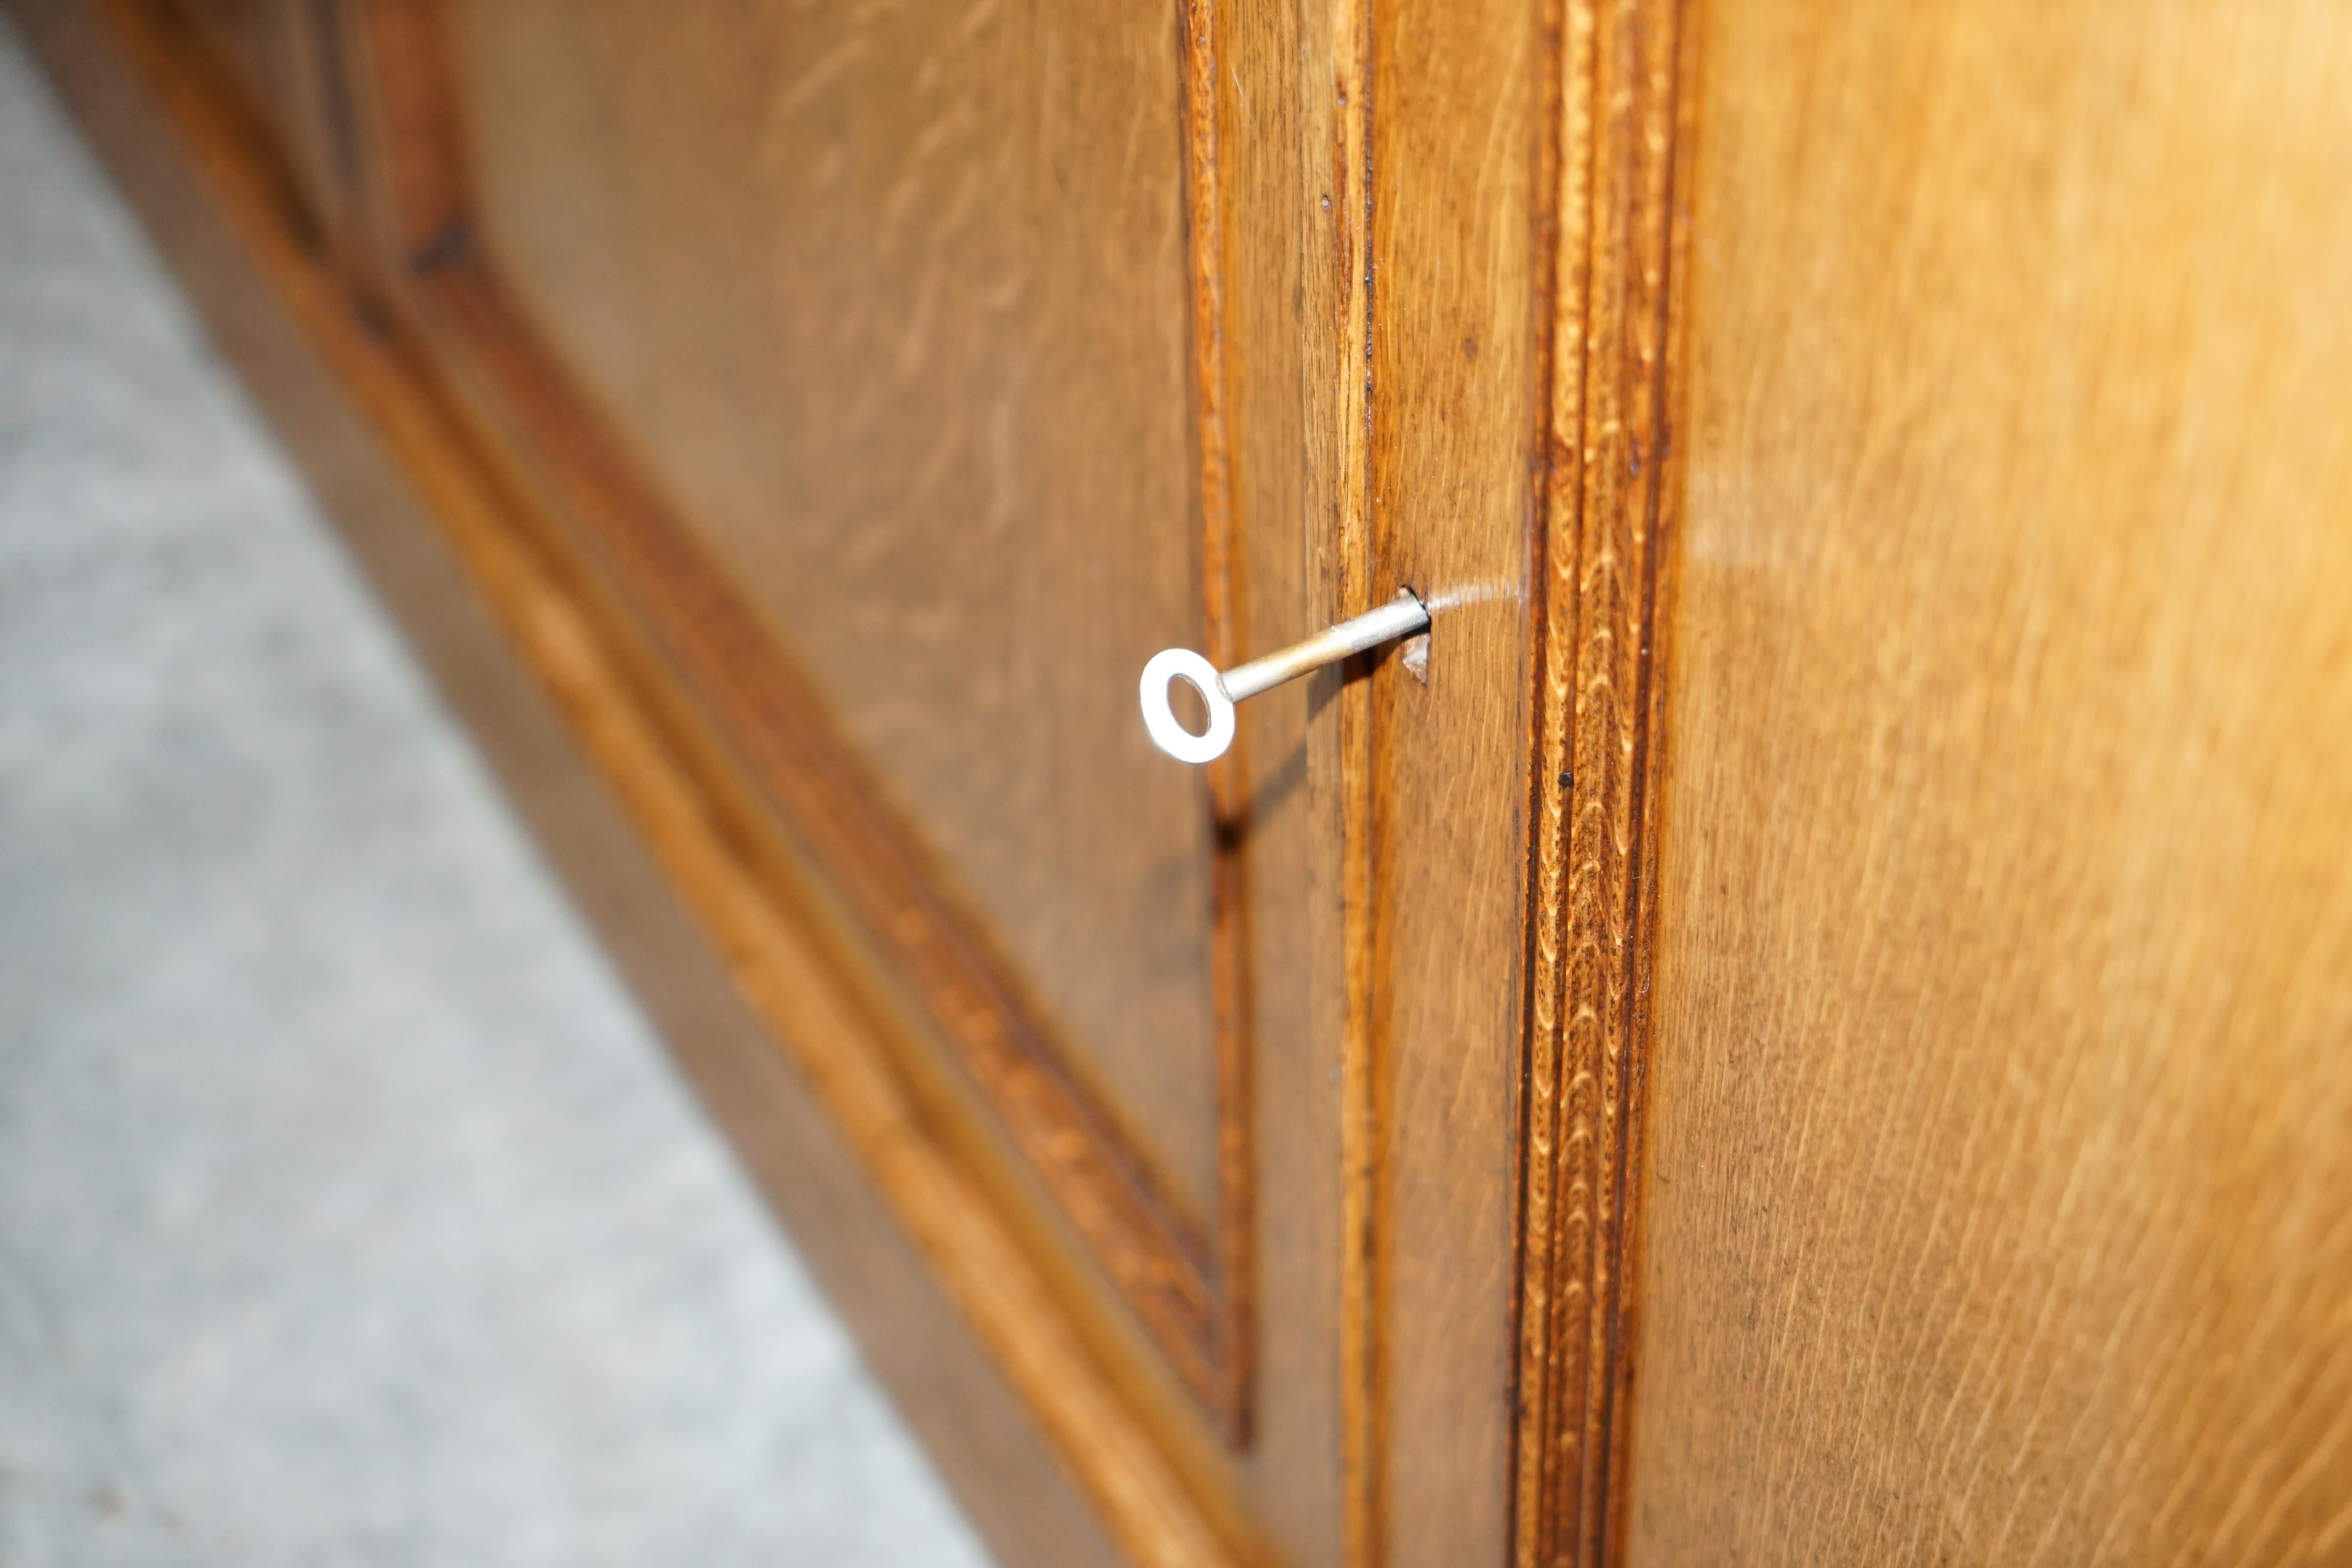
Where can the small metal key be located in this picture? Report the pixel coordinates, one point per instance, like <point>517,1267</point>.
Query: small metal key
<point>1402,617</point>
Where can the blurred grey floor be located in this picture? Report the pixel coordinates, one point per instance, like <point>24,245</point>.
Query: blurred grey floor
<point>348,1211</point>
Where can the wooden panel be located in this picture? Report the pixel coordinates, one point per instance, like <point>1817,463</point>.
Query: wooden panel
<point>1455,337</point>
<point>2001,1199</point>
<point>894,305</point>
<point>1271,68</point>
<point>974,1341</point>
<point>389,465</point>
<point>1362,343</point>
<point>1420,467</point>
<point>1188,1281</point>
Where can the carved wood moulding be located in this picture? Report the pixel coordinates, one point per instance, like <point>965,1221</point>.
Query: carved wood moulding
<point>1614,160</point>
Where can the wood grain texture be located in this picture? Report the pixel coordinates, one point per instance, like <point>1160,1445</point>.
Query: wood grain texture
<point>1453,111</point>
<point>959,1400</point>
<point>1344,413</point>
<point>211,187</point>
<point>895,308</point>
<point>818,750</point>
<point>1295,236</point>
<point>1413,419</point>
<point>1221,556</point>
<point>1355,296</point>
<point>1616,107</point>
<point>2000,1195</point>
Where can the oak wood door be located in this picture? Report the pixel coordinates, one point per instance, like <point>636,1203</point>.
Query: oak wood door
<point>2000,1146</point>
<point>832,406</point>
<point>1807,1023</point>
<point>898,379</point>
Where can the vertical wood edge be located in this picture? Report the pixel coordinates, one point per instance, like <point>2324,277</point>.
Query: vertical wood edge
<point>1364,1437</point>
<point>1223,615</point>
<point>1175,1280</point>
<point>1613,155</point>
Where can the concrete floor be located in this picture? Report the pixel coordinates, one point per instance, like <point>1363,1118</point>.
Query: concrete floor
<point>348,1214</point>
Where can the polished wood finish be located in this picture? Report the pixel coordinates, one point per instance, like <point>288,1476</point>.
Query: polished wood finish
<point>1620,104</point>
<point>1384,1208</point>
<point>1424,1172</point>
<point>1455,97</point>
<point>2000,1203</point>
<point>763,239</point>
<point>520,276</point>
<point>1801,1022</point>
<point>134,72</point>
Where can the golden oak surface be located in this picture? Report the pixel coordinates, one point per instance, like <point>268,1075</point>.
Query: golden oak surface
<point>891,303</point>
<point>1806,1024</point>
<point>2000,1187</point>
<point>864,323</point>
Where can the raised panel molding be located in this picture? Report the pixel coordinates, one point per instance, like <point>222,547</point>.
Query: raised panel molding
<point>1616,162</point>
<point>134,66</point>
<point>1615,139</point>
<point>1189,1291</point>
